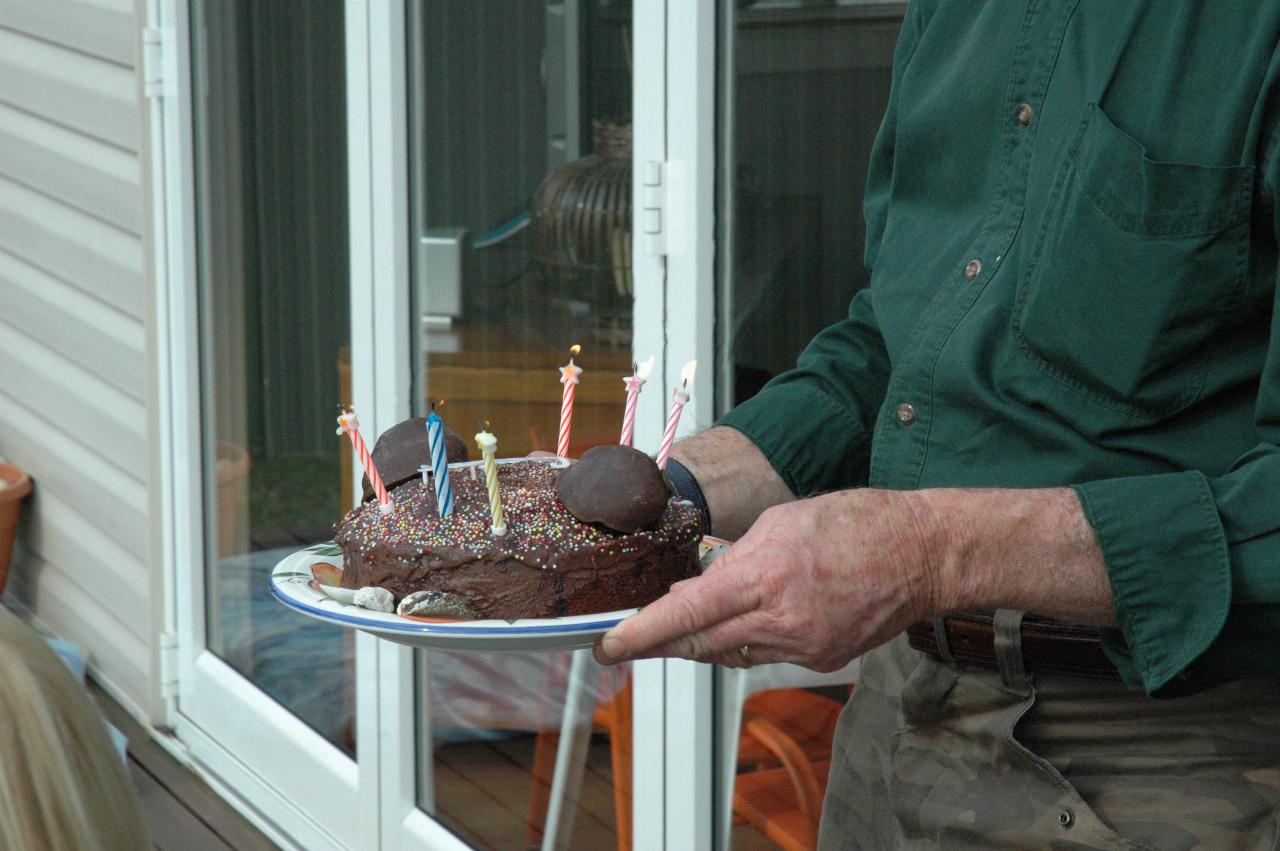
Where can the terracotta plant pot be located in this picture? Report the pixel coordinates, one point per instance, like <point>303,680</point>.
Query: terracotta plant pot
<point>233,485</point>
<point>14,486</point>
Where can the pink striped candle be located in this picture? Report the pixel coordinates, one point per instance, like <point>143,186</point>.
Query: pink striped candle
<point>679,398</point>
<point>633,382</point>
<point>569,378</point>
<point>347,422</point>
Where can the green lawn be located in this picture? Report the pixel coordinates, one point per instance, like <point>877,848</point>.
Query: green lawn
<point>295,492</point>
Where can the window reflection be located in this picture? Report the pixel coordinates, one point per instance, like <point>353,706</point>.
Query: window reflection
<point>810,83</point>
<point>520,140</point>
<point>270,133</point>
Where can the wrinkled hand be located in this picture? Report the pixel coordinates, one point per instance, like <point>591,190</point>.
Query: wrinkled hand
<point>815,582</point>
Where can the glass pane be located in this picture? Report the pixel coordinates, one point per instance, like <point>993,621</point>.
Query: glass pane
<point>490,741</point>
<point>805,84</point>
<point>274,304</point>
<point>520,123</point>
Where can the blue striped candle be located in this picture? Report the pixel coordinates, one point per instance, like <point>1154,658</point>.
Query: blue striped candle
<point>439,463</point>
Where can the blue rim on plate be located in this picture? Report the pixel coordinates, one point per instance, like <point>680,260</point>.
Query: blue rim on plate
<point>294,584</point>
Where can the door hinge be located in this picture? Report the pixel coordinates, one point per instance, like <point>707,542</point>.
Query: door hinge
<point>155,45</point>
<point>653,212</point>
<point>168,665</point>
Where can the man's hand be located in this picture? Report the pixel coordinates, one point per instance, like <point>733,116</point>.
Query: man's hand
<point>814,582</point>
<point>820,581</point>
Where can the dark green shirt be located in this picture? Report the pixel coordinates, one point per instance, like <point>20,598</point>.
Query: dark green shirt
<point>1071,227</point>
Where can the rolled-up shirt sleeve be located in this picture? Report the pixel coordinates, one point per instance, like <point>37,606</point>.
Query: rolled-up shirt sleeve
<point>1194,560</point>
<point>1194,563</point>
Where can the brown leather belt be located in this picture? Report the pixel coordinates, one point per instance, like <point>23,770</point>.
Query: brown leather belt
<point>1048,646</point>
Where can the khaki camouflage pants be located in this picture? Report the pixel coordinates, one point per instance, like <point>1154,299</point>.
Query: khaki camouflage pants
<point>929,755</point>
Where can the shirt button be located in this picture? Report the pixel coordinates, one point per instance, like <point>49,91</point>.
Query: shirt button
<point>972,269</point>
<point>906,414</point>
<point>1025,113</point>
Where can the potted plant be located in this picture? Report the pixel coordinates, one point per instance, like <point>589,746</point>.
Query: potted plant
<point>233,485</point>
<point>14,485</point>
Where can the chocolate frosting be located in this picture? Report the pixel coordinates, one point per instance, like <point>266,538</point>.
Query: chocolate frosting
<point>403,447</point>
<point>615,485</point>
<point>548,564</point>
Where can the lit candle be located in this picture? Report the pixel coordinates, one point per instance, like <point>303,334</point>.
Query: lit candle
<point>634,382</point>
<point>347,422</point>
<point>488,446</point>
<point>439,462</point>
<point>569,378</point>
<point>679,398</point>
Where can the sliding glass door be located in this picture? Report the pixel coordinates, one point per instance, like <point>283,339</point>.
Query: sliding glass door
<point>392,203</point>
<point>557,181</point>
<point>520,130</point>
<point>269,698</point>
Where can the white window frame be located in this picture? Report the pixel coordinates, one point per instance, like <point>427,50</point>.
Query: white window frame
<point>685,33</point>
<point>673,125</point>
<point>269,764</point>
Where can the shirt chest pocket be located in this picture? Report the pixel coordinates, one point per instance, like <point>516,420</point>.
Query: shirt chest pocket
<point>1134,267</point>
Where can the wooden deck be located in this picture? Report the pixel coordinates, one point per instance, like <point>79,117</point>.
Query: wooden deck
<point>181,812</point>
<point>483,789</point>
<point>482,795</point>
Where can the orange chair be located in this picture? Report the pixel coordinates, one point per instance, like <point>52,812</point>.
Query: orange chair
<point>613,718</point>
<point>803,719</point>
<point>783,803</point>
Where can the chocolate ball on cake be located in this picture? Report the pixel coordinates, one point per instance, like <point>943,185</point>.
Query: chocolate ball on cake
<point>615,486</point>
<point>403,447</point>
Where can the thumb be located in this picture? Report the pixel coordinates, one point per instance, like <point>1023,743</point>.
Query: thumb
<point>693,607</point>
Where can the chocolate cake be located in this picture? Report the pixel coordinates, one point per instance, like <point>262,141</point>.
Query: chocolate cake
<point>549,563</point>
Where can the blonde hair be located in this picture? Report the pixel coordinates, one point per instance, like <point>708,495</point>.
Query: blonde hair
<point>62,784</point>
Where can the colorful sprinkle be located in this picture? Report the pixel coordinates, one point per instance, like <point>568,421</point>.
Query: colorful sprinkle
<point>540,530</point>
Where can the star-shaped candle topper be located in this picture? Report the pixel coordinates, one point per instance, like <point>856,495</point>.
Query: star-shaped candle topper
<point>634,383</point>
<point>569,372</point>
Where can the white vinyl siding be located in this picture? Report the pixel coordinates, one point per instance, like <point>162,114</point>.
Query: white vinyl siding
<point>73,305</point>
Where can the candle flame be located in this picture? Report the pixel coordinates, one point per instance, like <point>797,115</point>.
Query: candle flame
<point>574,351</point>
<point>644,369</point>
<point>686,374</point>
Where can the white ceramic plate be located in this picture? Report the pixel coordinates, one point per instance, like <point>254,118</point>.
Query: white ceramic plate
<point>294,583</point>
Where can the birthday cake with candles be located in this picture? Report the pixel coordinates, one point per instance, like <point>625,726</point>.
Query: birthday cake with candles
<point>528,538</point>
<point>547,563</point>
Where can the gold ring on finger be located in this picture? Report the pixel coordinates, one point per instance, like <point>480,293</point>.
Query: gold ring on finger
<point>744,653</point>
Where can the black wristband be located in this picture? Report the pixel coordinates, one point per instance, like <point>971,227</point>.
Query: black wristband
<point>686,487</point>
